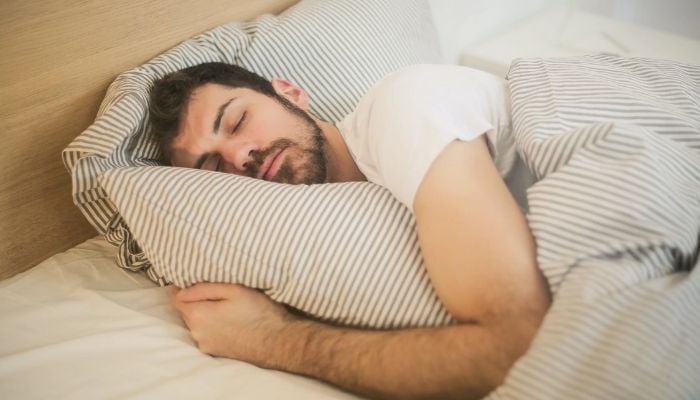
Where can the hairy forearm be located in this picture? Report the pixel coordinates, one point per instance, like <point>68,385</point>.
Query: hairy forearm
<point>458,361</point>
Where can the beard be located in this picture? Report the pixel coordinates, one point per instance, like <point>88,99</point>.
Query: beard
<point>305,161</point>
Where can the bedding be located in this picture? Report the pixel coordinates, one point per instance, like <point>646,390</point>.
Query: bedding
<point>336,51</point>
<point>345,253</point>
<point>615,145</point>
<point>77,327</point>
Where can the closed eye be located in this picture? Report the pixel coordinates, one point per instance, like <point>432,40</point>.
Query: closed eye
<point>240,121</point>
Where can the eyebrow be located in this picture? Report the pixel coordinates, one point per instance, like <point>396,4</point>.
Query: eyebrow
<point>220,114</point>
<point>217,124</point>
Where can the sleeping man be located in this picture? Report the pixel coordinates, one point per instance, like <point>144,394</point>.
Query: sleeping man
<point>435,136</point>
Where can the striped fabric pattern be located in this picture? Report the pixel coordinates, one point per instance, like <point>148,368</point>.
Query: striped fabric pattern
<point>615,144</point>
<point>335,50</point>
<point>345,253</point>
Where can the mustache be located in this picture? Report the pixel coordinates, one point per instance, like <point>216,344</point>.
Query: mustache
<point>258,156</point>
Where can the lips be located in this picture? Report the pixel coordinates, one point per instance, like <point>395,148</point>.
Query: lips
<point>271,165</point>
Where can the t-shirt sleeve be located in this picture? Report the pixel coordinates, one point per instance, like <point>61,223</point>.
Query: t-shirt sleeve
<point>410,125</point>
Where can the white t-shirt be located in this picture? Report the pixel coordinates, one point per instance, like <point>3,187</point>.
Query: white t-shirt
<point>405,121</point>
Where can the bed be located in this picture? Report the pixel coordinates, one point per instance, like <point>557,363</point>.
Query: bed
<point>57,329</point>
<point>73,324</point>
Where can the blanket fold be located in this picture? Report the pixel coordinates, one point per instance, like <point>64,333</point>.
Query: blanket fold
<point>615,146</point>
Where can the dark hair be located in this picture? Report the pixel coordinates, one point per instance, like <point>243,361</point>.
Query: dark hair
<point>170,95</point>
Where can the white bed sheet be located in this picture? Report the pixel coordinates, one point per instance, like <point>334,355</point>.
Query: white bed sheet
<point>78,327</point>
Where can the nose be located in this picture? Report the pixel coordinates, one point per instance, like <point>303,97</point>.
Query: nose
<point>237,156</point>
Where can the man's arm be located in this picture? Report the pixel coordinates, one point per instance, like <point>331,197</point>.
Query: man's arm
<point>480,257</point>
<point>461,361</point>
<point>477,246</point>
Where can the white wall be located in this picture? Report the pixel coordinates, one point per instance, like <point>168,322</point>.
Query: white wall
<point>676,16</point>
<point>463,24</point>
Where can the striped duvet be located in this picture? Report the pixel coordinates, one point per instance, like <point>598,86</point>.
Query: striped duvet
<point>615,145</point>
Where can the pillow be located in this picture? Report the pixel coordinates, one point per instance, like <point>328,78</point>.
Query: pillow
<point>335,50</point>
<point>341,252</point>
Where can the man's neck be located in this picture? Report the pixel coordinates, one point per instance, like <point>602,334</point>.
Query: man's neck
<point>340,164</point>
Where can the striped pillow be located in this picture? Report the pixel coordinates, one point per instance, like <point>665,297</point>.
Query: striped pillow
<point>335,50</point>
<point>342,252</point>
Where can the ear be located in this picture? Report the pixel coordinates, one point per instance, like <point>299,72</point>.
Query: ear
<point>291,92</point>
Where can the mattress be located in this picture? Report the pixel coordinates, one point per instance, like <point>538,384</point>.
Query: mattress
<point>78,327</point>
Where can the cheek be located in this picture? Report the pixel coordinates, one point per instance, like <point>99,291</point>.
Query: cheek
<point>294,161</point>
<point>301,162</point>
<point>271,121</point>
<point>284,125</point>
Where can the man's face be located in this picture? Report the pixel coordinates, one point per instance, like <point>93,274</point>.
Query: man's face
<point>243,132</point>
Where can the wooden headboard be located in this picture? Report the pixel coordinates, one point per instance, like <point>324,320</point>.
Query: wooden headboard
<point>57,58</point>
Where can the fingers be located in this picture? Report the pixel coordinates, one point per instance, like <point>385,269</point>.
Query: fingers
<point>206,291</point>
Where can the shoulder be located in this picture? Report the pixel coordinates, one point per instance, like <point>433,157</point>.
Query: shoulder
<point>424,87</point>
<point>436,78</point>
<point>437,72</point>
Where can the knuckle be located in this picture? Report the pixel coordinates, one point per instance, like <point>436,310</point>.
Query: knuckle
<point>204,347</point>
<point>195,314</point>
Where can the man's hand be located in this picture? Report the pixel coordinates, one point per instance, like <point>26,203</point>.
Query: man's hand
<point>457,361</point>
<point>231,320</point>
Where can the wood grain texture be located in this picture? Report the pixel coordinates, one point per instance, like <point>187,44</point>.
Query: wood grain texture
<point>57,58</point>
